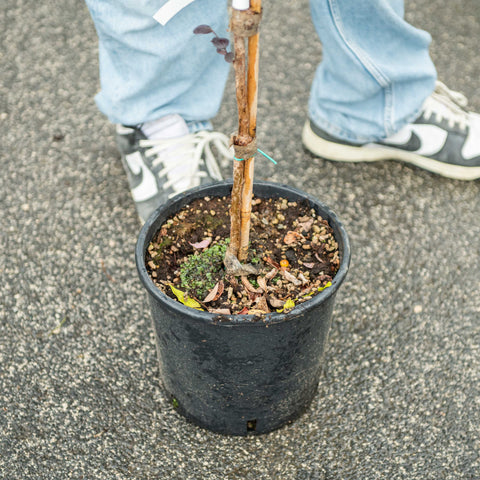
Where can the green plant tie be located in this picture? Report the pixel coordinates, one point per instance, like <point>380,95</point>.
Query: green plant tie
<point>259,151</point>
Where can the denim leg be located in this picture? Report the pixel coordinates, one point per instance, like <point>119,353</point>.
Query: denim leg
<point>376,69</point>
<point>148,70</point>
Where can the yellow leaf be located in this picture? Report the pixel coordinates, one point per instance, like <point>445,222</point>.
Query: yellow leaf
<point>329,284</point>
<point>192,303</point>
<point>178,293</point>
<point>288,305</point>
<point>188,302</point>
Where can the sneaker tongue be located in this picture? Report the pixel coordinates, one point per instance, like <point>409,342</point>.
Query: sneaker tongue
<point>171,126</point>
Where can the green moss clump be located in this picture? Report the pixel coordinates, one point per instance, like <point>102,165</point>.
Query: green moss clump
<point>198,275</point>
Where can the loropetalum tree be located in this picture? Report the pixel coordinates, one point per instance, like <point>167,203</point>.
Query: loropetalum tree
<point>244,26</point>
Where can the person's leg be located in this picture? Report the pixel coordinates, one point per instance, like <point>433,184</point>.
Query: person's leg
<point>148,70</point>
<point>161,85</point>
<point>375,94</point>
<point>375,73</point>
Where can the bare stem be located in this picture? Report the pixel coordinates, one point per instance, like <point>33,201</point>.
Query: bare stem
<point>235,209</point>
<point>252,95</point>
<point>243,138</point>
<point>246,209</point>
<point>241,90</point>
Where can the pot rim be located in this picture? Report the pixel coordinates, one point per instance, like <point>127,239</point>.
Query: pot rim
<point>177,202</point>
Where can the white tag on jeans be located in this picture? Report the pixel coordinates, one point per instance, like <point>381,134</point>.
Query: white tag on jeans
<point>170,9</point>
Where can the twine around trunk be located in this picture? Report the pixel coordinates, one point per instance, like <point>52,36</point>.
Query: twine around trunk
<point>244,151</point>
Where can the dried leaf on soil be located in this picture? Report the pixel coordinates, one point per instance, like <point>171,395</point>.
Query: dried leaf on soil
<point>246,283</point>
<point>292,237</point>
<point>221,311</point>
<point>275,302</point>
<point>305,226</point>
<point>290,278</point>
<point>215,293</point>
<point>262,283</point>
<point>261,304</point>
<point>203,244</point>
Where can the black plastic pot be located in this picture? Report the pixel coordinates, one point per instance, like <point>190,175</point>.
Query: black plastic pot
<point>232,374</point>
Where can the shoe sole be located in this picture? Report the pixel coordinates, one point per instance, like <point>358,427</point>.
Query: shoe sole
<point>369,153</point>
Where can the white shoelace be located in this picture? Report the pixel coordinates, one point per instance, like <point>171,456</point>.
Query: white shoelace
<point>181,158</point>
<point>447,104</point>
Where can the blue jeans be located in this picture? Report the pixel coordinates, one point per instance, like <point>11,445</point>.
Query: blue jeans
<point>374,76</point>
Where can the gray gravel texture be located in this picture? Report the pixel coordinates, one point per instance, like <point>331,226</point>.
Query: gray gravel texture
<point>79,391</point>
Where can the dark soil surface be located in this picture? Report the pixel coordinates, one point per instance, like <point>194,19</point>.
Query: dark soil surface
<point>292,249</point>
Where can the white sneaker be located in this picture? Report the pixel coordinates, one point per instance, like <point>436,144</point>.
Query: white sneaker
<point>445,139</point>
<point>159,168</point>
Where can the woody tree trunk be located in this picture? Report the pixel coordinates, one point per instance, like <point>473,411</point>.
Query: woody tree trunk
<point>244,24</point>
<point>252,94</point>
<point>241,139</point>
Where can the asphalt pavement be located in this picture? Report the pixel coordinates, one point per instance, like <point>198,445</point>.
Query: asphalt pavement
<point>80,396</point>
